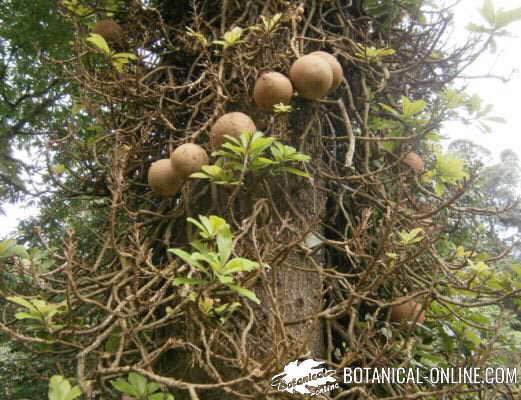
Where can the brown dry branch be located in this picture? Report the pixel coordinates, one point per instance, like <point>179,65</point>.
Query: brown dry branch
<point>328,302</point>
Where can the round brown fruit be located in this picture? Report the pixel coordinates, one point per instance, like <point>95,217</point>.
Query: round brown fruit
<point>272,88</point>
<point>409,311</point>
<point>312,76</point>
<point>188,158</point>
<point>232,124</point>
<point>336,68</point>
<point>414,161</point>
<point>162,178</point>
<point>109,29</point>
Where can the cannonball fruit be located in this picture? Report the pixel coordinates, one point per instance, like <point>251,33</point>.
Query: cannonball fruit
<point>272,88</point>
<point>312,76</point>
<point>409,311</point>
<point>414,161</point>
<point>109,29</point>
<point>233,124</point>
<point>336,68</point>
<point>163,179</point>
<point>188,158</point>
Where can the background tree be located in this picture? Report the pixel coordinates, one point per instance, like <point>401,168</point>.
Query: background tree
<point>120,282</point>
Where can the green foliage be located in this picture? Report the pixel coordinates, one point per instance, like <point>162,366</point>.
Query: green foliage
<point>408,238</point>
<point>477,111</point>
<point>282,108</point>
<point>410,112</point>
<point>269,24</point>
<point>238,157</point>
<point>230,38</point>
<point>30,31</point>
<point>496,21</point>
<point>40,311</point>
<point>9,248</point>
<point>447,171</point>
<point>118,60</point>
<point>81,9</point>
<point>373,54</point>
<point>390,12</point>
<point>212,255</point>
<point>138,387</point>
<point>100,42</point>
<point>412,115</point>
<point>198,36</point>
<point>61,389</point>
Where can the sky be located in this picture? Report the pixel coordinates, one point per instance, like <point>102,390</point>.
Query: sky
<point>504,96</point>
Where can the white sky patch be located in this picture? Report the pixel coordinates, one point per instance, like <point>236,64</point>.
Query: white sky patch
<point>15,213</point>
<point>505,97</point>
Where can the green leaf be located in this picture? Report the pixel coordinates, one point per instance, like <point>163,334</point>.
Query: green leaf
<point>25,315</point>
<point>411,237</point>
<point>8,248</point>
<point>200,175</point>
<point>516,268</point>
<point>504,18</point>
<point>224,279</point>
<point>488,12</point>
<point>197,224</point>
<point>389,109</point>
<point>99,42</point>
<point>123,386</point>
<point>118,65</point>
<point>439,188</point>
<point>73,393</point>
<point>124,56</point>
<point>239,265</point>
<point>282,108</point>
<point>300,157</point>
<point>189,281</point>
<point>262,162</point>
<point>60,389</point>
<point>245,292</point>
<point>189,259</point>
<point>450,169</point>
<point>5,247</point>
<point>260,144</point>
<point>152,387</point>
<point>231,38</point>
<point>157,396</point>
<point>210,258</point>
<point>471,335</point>
<point>295,171</point>
<point>215,224</point>
<point>112,343</point>
<point>411,108</point>
<point>24,303</point>
<point>139,382</point>
<point>239,150</point>
<point>224,244</point>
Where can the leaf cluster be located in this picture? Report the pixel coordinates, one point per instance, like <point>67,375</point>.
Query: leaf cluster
<point>239,157</point>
